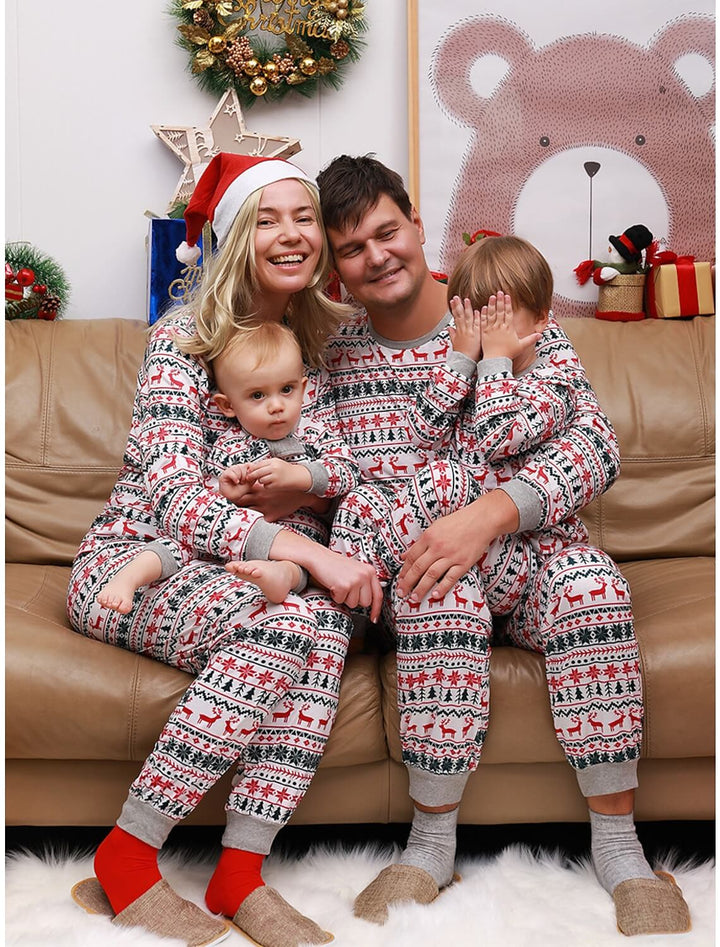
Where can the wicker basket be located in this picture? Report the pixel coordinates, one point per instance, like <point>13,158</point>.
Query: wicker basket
<point>622,299</point>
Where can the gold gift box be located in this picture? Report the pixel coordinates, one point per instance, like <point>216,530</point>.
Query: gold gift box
<point>679,289</point>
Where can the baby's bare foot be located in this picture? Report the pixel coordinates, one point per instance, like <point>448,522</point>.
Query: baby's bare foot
<point>275,579</point>
<point>117,596</point>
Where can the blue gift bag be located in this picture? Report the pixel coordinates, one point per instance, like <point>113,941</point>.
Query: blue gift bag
<point>168,279</point>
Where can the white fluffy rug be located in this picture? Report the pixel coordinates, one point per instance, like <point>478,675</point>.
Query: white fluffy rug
<point>515,899</point>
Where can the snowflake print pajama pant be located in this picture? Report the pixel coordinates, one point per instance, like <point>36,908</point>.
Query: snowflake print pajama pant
<point>573,607</point>
<point>264,696</point>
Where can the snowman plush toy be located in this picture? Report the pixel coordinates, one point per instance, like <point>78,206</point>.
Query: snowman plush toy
<point>625,255</point>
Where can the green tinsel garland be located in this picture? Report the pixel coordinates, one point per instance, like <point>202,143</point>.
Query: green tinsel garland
<point>47,272</point>
<point>224,55</point>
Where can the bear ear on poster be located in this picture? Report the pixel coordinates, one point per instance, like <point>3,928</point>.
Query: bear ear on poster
<point>462,48</point>
<point>575,135</point>
<point>684,37</point>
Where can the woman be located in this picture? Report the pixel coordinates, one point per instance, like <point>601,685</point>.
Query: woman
<point>254,662</point>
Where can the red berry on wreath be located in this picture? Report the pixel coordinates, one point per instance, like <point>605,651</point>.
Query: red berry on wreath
<point>39,288</point>
<point>25,276</point>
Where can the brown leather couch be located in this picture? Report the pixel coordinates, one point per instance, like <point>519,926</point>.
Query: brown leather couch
<point>82,715</point>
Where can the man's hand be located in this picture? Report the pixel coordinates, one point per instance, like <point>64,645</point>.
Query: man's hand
<point>451,546</point>
<point>280,474</point>
<point>466,336</point>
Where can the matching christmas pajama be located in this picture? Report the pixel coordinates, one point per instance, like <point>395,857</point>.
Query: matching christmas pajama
<point>429,440</point>
<point>267,676</point>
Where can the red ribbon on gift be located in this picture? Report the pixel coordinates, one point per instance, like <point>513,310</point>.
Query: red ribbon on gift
<point>687,284</point>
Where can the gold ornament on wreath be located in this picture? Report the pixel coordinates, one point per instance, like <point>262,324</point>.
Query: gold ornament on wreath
<point>266,48</point>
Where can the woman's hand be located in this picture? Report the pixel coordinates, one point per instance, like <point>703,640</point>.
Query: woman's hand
<point>349,581</point>
<point>451,546</point>
<point>276,504</point>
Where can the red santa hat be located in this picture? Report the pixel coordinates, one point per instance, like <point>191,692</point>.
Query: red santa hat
<point>223,188</point>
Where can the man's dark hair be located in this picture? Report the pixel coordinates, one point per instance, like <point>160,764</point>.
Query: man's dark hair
<point>350,187</point>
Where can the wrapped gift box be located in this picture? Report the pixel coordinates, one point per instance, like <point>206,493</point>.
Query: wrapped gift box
<point>683,288</point>
<point>168,279</point>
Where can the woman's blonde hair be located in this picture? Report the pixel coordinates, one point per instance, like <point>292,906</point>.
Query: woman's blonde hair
<point>509,264</point>
<point>223,305</point>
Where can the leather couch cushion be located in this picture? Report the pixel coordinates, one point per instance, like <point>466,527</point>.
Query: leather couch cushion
<point>655,381</point>
<point>68,415</point>
<point>89,700</point>
<point>69,390</point>
<point>673,602</point>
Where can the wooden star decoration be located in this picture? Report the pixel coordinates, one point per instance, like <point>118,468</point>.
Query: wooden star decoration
<point>225,131</point>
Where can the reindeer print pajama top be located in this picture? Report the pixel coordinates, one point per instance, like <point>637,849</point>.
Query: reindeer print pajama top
<point>415,418</point>
<point>266,676</point>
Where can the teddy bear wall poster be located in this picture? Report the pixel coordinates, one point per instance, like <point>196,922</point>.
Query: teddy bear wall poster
<point>563,123</point>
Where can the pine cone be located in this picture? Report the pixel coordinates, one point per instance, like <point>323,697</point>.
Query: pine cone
<point>340,49</point>
<point>203,19</point>
<point>49,306</point>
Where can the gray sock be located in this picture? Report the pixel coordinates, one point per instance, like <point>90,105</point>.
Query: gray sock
<point>431,844</point>
<point>616,850</point>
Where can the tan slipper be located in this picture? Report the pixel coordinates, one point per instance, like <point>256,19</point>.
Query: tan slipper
<point>394,884</point>
<point>651,906</point>
<point>267,920</point>
<point>160,911</point>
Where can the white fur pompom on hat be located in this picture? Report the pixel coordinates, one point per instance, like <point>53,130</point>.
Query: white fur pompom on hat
<point>187,254</point>
<point>223,188</point>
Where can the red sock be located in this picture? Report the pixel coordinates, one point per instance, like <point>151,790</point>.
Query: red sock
<point>126,867</point>
<point>236,875</point>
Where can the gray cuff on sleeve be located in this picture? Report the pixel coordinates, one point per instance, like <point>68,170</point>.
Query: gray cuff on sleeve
<point>527,502</point>
<point>435,789</point>
<point>168,562</point>
<point>462,364</point>
<point>601,779</point>
<point>260,538</point>
<point>140,819</point>
<point>494,366</point>
<point>249,833</point>
<point>319,474</point>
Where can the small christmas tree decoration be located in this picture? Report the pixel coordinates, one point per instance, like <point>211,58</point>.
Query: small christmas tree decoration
<point>35,284</point>
<point>223,55</point>
<point>226,131</point>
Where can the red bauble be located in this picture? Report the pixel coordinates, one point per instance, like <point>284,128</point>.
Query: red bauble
<point>25,277</point>
<point>39,288</point>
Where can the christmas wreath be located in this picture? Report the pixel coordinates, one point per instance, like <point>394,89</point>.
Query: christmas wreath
<point>35,284</point>
<point>316,44</point>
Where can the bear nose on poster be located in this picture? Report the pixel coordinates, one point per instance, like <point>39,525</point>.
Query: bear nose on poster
<point>569,204</point>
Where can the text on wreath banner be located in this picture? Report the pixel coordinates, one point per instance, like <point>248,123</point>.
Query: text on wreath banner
<point>285,17</point>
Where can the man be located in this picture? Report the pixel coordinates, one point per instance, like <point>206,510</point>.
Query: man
<point>388,365</point>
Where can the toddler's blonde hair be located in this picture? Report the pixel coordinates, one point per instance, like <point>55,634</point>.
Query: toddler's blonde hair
<point>509,264</point>
<point>262,340</point>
